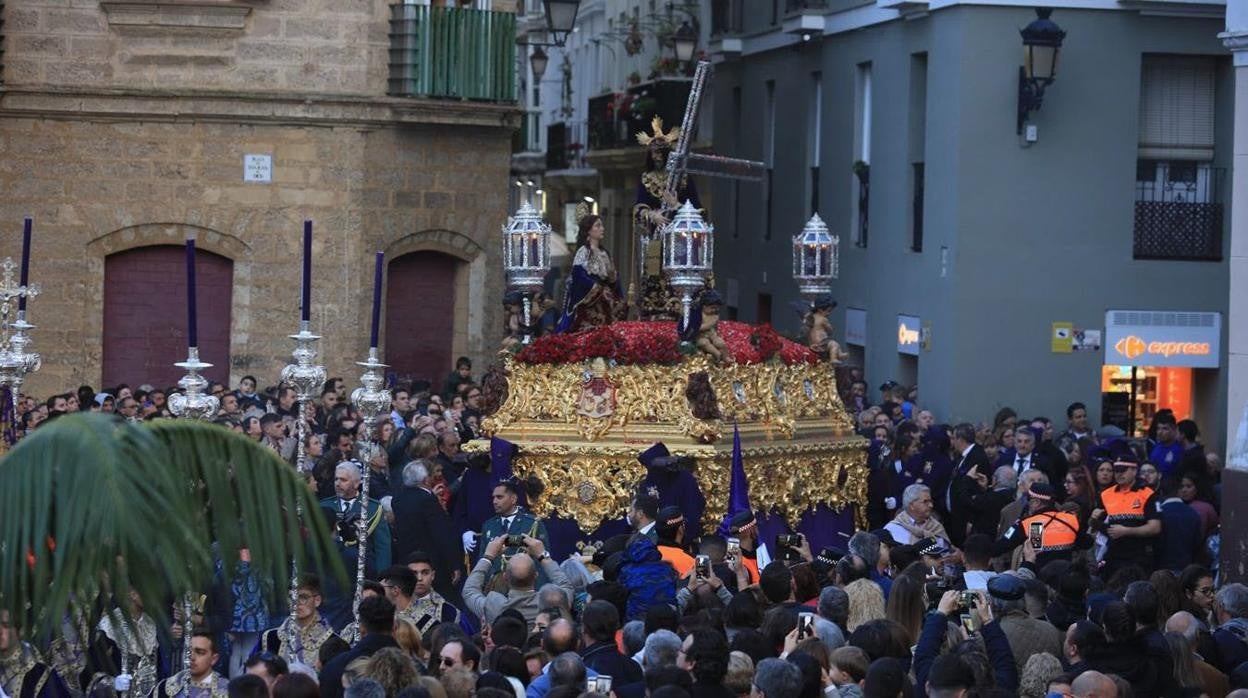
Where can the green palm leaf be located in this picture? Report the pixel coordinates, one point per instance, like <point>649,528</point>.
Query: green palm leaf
<point>90,506</point>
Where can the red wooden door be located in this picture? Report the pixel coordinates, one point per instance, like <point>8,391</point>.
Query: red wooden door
<point>145,314</point>
<point>420,316</point>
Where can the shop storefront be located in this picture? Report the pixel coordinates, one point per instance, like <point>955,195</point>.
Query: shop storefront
<point>1156,360</point>
<point>909,343</point>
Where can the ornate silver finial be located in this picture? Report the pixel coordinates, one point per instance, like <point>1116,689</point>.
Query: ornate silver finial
<point>16,359</point>
<point>372,400</point>
<point>194,403</point>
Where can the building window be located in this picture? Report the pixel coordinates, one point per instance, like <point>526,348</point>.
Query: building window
<point>769,154</point>
<point>1178,200</point>
<point>862,152</point>
<point>814,145</point>
<point>916,207</point>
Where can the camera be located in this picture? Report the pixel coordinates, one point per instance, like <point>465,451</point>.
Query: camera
<point>789,541</point>
<point>734,549</point>
<point>598,684</point>
<point>515,540</point>
<point>702,567</point>
<point>805,626</point>
<point>967,599</point>
<point>1036,534</point>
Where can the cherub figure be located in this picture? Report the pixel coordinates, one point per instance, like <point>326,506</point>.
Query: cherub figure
<point>702,332</point>
<point>819,331</point>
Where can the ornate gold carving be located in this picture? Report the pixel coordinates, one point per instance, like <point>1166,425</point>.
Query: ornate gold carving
<point>798,443</point>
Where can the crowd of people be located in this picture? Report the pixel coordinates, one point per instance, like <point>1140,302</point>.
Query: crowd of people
<point>1017,558</point>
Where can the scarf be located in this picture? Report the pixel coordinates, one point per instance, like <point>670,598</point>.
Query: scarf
<point>931,528</point>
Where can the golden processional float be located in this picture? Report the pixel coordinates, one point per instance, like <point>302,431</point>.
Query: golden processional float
<point>582,406</point>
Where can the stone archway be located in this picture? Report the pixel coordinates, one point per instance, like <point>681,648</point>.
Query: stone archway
<point>434,303</point>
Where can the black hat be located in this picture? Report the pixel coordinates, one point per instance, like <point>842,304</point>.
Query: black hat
<point>932,546</point>
<point>656,451</point>
<point>1007,587</point>
<point>671,517</point>
<point>513,298</point>
<point>742,521</point>
<point>885,536</point>
<point>829,556</point>
<point>889,385</point>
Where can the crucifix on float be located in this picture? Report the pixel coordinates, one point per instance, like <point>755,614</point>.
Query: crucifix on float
<point>664,186</point>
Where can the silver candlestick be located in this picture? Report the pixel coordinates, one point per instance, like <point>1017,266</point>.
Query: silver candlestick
<point>195,404</point>
<point>372,400</point>
<point>16,359</point>
<point>304,376</point>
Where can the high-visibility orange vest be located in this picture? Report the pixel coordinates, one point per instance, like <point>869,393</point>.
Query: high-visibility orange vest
<point>751,566</point>
<point>1126,508</point>
<point>680,560</point>
<point>1058,530</point>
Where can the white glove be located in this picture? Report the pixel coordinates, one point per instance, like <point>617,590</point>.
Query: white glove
<point>470,541</point>
<point>890,502</point>
<point>121,683</point>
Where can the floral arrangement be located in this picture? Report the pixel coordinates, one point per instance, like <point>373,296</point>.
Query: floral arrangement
<point>658,343</point>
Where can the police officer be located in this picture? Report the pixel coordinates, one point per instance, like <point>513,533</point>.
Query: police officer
<point>671,531</point>
<point>510,519</point>
<point>1129,518</point>
<point>1052,533</point>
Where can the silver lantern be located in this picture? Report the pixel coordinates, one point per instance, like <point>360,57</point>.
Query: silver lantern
<point>816,259</point>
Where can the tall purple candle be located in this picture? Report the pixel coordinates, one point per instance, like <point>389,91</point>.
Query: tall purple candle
<point>25,274</point>
<point>306,299</point>
<point>372,342</point>
<point>192,330</point>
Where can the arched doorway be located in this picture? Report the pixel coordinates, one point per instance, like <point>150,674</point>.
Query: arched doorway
<point>420,316</point>
<point>145,314</point>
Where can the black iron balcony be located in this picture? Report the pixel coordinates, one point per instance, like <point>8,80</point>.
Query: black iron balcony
<point>616,118</point>
<point>449,52</point>
<point>1178,211</point>
<point>565,146</point>
<point>791,6</point>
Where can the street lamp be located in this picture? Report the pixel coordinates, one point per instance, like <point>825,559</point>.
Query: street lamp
<point>685,41</point>
<point>538,60</point>
<point>561,15</point>
<point>1041,41</point>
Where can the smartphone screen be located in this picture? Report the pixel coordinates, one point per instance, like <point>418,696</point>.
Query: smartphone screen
<point>805,626</point>
<point>1037,535</point>
<point>968,623</point>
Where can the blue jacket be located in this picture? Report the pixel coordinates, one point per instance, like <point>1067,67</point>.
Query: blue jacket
<point>1180,537</point>
<point>995,642</point>
<point>649,580</point>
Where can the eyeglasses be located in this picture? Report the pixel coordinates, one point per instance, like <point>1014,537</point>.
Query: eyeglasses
<point>446,661</point>
<point>1204,591</point>
<point>304,598</point>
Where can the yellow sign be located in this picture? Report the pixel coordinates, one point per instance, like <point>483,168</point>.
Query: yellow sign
<point>1063,337</point>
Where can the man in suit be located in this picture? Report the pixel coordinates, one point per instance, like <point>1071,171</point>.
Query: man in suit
<point>421,524</point>
<point>376,633</point>
<point>971,460</point>
<point>510,519</point>
<point>643,515</point>
<point>1023,456</point>
<point>991,500</point>
<point>343,510</point>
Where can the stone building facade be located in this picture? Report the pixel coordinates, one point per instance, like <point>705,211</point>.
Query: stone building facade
<point>124,126</point>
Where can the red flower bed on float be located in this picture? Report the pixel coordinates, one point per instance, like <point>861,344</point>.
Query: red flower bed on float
<point>657,343</point>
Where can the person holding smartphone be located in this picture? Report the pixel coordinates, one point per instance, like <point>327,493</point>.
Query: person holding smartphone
<point>935,626</point>
<point>1054,534</point>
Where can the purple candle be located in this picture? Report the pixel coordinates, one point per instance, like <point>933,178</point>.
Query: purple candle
<point>25,274</point>
<point>192,331</point>
<point>372,342</point>
<point>306,298</point>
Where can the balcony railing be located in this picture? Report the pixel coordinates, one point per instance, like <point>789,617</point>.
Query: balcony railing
<point>448,52</point>
<point>1178,211</point>
<point>565,146</point>
<point>727,17</point>
<point>616,118</point>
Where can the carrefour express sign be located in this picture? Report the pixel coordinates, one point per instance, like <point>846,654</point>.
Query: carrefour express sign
<point>1194,341</point>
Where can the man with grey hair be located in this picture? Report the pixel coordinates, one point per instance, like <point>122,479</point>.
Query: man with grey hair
<point>1094,684</point>
<point>660,649</point>
<point>776,678</point>
<point>1186,624</point>
<point>567,669</point>
<point>834,606</point>
<point>869,547</point>
<point>829,633</point>
<point>421,525</point>
<point>521,580</point>
<point>916,520</point>
<point>1230,605</point>
<point>553,596</point>
<point>345,509</point>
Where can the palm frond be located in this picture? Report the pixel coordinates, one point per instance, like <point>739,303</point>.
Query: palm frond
<point>90,506</point>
